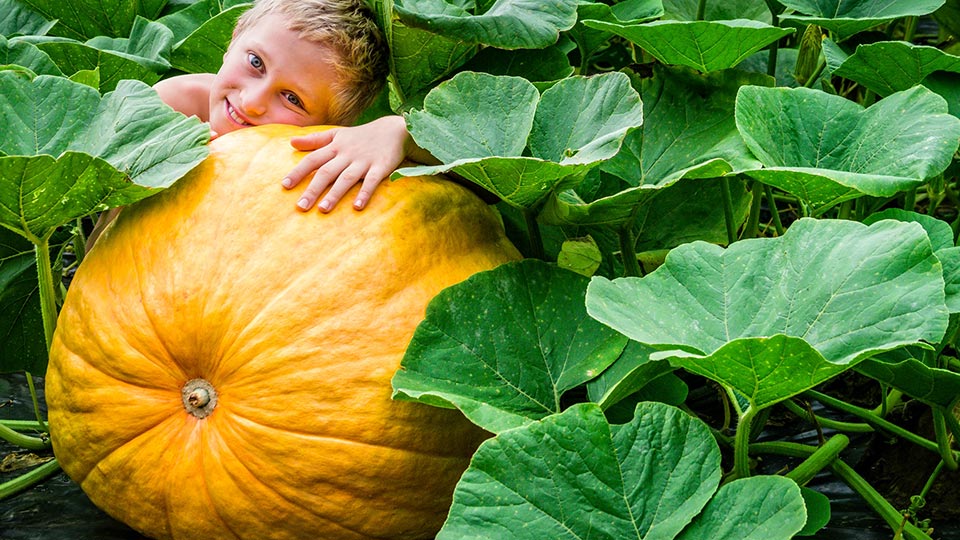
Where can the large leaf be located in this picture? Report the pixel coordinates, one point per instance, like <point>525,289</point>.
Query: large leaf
<point>888,66</point>
<point>202,50</point>
<point>838,150</point>
<point>941,239</point>
<point>186,21</point>
<point>15,19</point>
<point>906,371</point>
<point>27,55</point>
<point>22,346</point>
<point>139,57</point>
<point>847,17</point>
<point>686,10</point>
<point>574,476</point>
<point>701,45</point>
<point>773,317</point>
<point>479,125</point>
<point>85,19</point>
<point>590,40</point>
<point>67,152</point>
<point>688,132</point>
<point>418,58</point>
<point>507,24</point>
<point>505,345</point>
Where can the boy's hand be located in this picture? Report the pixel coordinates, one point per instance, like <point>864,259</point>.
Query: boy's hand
<point>344,156</point>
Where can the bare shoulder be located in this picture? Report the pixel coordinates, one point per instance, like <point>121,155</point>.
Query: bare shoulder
<point>189,94</point>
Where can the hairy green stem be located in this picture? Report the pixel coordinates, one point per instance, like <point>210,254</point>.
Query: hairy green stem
<point>741,444</point>
<point>23,441</point>
<point>774,213</point>
<point>943,439</point>
<point>753,221</point>
<point>22,425</point>
<point>849,427</point>
<point>874,420</point>
<point>910,199</point>
<point>728,209</point>
<point>819,460</point>
<point>876,501</point>
<point>628,251</point>
<point>783,448</point>
<point>821,65</point>
<point>701,9</point>
<point>48,294</point>
<point>25,481</point>
<point>36,401</point>
<point>533,235</point>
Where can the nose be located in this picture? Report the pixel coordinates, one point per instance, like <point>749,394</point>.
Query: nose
<point>253,100</point>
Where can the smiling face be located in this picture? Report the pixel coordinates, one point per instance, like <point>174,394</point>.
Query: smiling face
<point>272,76</point>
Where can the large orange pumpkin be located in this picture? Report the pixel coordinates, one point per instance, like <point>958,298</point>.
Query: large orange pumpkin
<point>222,363</point>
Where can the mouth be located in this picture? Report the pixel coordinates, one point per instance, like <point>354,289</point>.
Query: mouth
<point>235,116</point>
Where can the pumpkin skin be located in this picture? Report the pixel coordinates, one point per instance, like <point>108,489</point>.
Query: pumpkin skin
<point>297,321</point>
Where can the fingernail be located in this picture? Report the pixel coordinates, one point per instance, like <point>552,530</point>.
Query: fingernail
<point>287,183</point>
<point>324,206</point>
<point>358,204</point>
<point>303,204</point>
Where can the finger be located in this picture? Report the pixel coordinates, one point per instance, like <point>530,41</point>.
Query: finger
<point>313,141</point>
<point>322,179</point>
<point>312,162</point>
<point>373,178</point>
<point>347,179</point>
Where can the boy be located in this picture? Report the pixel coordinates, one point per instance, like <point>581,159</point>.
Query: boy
<point>305,62</point>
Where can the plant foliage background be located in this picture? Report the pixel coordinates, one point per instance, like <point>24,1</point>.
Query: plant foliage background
<point>752,198</point>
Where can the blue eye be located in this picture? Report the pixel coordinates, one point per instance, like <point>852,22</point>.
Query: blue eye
<point>255,61</point>
<point>293,99</point>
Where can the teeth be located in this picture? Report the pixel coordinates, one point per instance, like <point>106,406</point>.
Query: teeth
<point>233,115</point>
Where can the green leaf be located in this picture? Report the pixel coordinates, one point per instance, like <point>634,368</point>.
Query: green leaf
<point>27,55</point>
<point>418,58</point>
<point>185,21</point>
<point>149,45</point>
<point>686,10</point>
<point>546,65</point>
<point>22,346</point>
<point>575,476</point>
<point>479,126</point>
<point>85,19</point>
<point>687,211</point>
<point>763,316</point>
<point>941,238</point>
<point>580,255</point>
<point>505,345</point>
<point>773,503</point>
<point>688,132</point>
<point>888,66</point>
<point>72,56</point>
<point>202,50</point>
<point>909,374</point>
<point>701,45</point>
<point>507,24</point>
<point>69,152</point>
<point>590,40</point>
<point>15,19</point>
<point>818,511</point>
<point>840,150</point>
<point>845,18</point>
<point>631,372</point>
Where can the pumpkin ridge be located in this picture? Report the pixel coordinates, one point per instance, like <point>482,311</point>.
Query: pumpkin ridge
<point>283,496</point>
<point>316,436</point>
<point>208,484</point>
<point>139,279</point>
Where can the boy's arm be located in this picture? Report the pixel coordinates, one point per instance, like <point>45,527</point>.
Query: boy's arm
<point>341,157</point>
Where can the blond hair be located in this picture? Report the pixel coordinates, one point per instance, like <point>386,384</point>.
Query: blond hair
<point>349,29</point>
